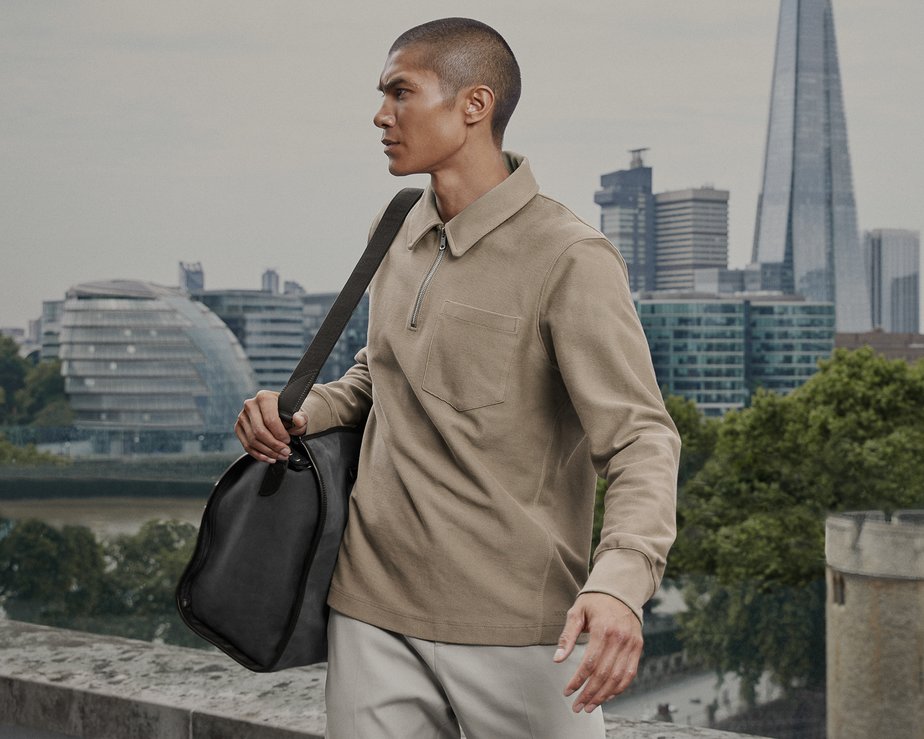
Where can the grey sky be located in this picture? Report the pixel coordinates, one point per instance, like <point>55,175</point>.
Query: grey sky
<point>134,135</point>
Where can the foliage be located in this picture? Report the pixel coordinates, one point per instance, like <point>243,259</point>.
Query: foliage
<point>753,517</point>
<point>698,435</point>
<point>41,400</point>
<point>26,456</point>
<point>70,579</point>
<point>13,369</point>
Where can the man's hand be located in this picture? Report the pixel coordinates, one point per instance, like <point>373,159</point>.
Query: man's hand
<point>613,650</point>
<point>261,431</point>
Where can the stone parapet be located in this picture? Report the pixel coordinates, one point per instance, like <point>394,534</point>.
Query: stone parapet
<point>867,543</point>
<point>86,685</point>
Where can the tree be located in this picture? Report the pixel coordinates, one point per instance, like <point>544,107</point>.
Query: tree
<point>26,456</point>
<point>752,519</point>
<point>13,369</point>
<point>41,400</point>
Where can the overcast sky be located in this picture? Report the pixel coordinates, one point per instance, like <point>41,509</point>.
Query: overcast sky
<point>134,135</point>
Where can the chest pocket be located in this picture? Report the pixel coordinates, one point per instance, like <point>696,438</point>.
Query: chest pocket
<point>469,357</point>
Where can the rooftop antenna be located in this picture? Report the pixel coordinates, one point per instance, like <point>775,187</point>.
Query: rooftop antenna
<point>637,157</point>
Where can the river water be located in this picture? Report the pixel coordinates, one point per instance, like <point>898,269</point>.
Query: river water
<point>105,516</point>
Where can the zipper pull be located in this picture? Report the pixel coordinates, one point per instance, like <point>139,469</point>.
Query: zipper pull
<point>442,238</point>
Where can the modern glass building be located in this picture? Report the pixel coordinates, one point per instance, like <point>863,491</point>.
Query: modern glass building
<point>691,233</point>
<point>268,326</point>
<point>627,218</point>
<point>141,357</point>
<point>893,257</point>
<point>718,350</point>
<point>806,214</point>
<point>353,338</point>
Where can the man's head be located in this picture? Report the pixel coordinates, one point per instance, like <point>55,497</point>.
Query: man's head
<point>464,53</point>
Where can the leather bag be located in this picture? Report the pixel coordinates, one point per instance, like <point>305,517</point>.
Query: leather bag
<point>256,585</point>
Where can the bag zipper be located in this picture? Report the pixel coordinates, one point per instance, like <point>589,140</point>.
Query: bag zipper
<point>428,278</point>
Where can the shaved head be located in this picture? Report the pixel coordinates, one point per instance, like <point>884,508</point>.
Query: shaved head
<point>465,53</point>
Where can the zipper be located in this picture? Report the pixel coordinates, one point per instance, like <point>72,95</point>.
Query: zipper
<point>428,278</point>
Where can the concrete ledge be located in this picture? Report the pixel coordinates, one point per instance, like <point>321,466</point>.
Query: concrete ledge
<point>87,685</point>
<point>867,543</point>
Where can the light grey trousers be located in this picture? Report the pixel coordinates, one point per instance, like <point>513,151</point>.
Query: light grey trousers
<point>382,685</point>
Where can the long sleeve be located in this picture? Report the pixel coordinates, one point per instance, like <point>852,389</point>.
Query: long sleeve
<point>592,333</point>
<point>344,402</point>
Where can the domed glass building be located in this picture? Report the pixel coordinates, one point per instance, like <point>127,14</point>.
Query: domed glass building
<point>141,357</point>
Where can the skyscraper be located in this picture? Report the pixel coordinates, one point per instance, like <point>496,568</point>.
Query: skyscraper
<point>691,232</point>
<point>806,232</point>
<point>627,219</point>
<point>893,257</point>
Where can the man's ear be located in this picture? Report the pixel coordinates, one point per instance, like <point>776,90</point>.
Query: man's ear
<point>479,104</point>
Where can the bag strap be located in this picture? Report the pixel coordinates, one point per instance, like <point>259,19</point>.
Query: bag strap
<point>306,372</point>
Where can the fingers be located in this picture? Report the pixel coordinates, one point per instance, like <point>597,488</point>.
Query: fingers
<point>260,430</point>
<point>610,666</point>
<point>299,424</point>
<point>574,625</point>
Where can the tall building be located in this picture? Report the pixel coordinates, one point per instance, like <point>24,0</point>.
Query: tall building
<point>142,357</point>
<point>270,281</point>
<point>353,338</point>
<point>691,232</point>
<point>50,328</point>
<point>806,215</point>
<point>268,326</point>
<point>717,350</point>
<point>192,277</point>
<point>627,218</point>
<point>893,257</point>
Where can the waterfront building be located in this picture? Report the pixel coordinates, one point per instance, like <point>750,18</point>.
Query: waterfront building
<point>806,214</point>
<point>353,338</point>
<point>717,350</point>
<point>50,328</point>
<point>270,281</point>
<point>138,357</point>
<point>893,257</point>
<point>691,233</point>
<point>627,218</point>
<point>268,325</point>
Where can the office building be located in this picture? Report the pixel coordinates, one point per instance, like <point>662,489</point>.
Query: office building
<point>717,350</point>
<point>50,328</point>
<point>267,324</point>
<point>316,307</point>
<point>140,357</point>
<point>192,277</point>
<point>893,257</point>
<point>270,281</point>
<point>691,232</point>
<point>627,218</point>
<point>806,214</point>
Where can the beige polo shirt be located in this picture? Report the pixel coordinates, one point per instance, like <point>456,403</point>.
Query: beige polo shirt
<point>505,369</point>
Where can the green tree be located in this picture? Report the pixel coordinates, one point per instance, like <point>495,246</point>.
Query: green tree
<point>145,568</point>
<point>752,520</point>
<point>41,400</point>
<point>26,456</point>
<point>13,369</point>
<point>49,576</point>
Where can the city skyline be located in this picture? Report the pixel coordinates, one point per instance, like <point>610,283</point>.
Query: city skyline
<point>243,140</point>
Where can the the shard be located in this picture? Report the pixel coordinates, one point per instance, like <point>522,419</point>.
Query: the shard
<point>806,238</point>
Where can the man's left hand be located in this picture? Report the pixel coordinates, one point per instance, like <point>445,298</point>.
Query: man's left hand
<point>612,653</point>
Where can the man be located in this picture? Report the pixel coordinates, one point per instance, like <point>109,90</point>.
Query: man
<point>505,368</point>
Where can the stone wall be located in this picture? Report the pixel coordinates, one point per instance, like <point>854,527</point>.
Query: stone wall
<point>86,685</point>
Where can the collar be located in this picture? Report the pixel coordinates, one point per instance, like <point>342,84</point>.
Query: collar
<point>479,218</point>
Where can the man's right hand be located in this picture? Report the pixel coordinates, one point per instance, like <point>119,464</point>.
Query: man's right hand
<point>261,431</point>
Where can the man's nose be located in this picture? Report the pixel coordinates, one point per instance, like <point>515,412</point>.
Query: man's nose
<point>384,117</point>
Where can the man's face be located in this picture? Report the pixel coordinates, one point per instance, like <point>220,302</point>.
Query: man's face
<point>421,130</point>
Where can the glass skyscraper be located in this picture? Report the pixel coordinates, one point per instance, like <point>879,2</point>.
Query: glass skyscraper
<point>627,218</point>
<point>718,350</point>
<point>806,232</point>
<point>893,256</point>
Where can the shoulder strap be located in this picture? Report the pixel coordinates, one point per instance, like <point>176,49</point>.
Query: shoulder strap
<point>306,372</point>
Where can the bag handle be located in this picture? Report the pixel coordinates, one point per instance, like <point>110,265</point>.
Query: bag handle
<point>306,372</point>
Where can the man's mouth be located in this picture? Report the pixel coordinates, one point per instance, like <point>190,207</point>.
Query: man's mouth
<point>388,143</point>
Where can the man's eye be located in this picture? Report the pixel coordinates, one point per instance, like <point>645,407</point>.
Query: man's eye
<point>399,92</point>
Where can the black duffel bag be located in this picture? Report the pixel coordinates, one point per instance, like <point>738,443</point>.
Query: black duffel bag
<point>256,586</point>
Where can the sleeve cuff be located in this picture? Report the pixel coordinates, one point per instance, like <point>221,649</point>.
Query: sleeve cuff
<point>318,410</point>
<point>624,574</point>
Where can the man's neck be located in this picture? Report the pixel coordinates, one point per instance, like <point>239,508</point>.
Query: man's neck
<point>458,187</point>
